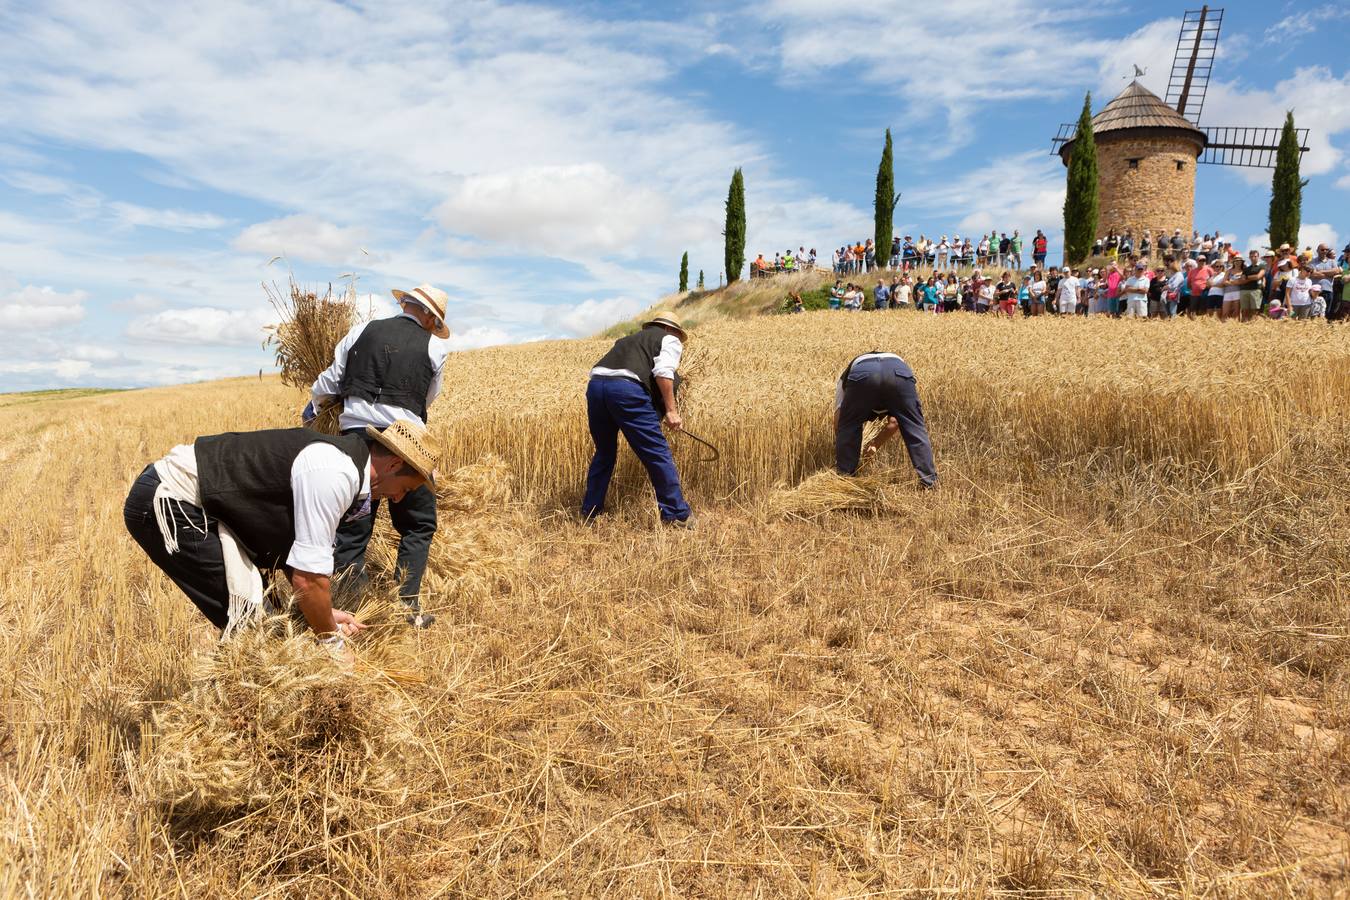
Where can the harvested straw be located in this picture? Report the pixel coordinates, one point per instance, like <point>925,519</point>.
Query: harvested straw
<point>278,750</point>
<point>827,491</point>
<point>304,340</point>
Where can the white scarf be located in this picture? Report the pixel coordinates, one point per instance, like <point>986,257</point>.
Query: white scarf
<point>178,484</point>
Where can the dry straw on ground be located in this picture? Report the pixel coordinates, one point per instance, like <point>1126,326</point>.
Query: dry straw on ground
<point>1108,656</point>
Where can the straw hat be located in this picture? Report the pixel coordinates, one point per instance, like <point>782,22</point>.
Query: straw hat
<point>433,299</point>
<point>412,443</point>
<point>669,320</point>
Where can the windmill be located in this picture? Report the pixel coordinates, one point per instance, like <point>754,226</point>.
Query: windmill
<point>1148,147</point>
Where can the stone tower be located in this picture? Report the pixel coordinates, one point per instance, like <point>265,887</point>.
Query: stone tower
<point>1146,156</point>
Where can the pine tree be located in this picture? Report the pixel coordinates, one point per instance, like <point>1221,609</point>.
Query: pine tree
<point>734,232</point>
<point>684,272</point>
<point>1080,199</point>
<point>886,200</point>
<point>1286,189</point>
<point>700,279</point>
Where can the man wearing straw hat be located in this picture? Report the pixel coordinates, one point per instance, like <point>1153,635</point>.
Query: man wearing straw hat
<point>626,387</point>
<point>212,513</point>
<point>880,384</point>
<point>384,371</point>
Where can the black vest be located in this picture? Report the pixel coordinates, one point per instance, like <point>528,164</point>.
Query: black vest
<point>637,353</point>
<point>389,364</point>
<point>244,478</point>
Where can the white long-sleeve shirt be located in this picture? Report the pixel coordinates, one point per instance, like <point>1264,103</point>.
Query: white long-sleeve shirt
<point>667,361</point>
<point>324,485</point>
<point>358,413</point>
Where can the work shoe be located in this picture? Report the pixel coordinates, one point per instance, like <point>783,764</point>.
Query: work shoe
<point>687,524</point>
<point>421,620</point>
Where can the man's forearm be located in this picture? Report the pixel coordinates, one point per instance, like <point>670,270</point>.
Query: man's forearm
<point>314,597</point>
<point>667,388</point>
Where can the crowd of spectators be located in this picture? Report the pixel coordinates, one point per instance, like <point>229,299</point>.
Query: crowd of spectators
<point>997,249</point>
<point>802,261</point>
<point>1204,277</point>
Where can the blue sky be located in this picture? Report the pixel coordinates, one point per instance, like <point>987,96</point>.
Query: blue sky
<point>547,164</point>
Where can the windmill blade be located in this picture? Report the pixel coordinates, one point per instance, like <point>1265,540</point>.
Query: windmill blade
<point>1238,145</point>
<point>1193,62</point>
<point>1067,132</point>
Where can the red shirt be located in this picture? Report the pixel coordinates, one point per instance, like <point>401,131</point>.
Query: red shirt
<point>1199,279</point>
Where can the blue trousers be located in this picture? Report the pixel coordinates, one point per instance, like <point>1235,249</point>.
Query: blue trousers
<point>875,386</point>
<point>620,404</point>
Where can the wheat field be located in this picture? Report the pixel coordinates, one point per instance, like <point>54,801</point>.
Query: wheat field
<point>1108,656</point>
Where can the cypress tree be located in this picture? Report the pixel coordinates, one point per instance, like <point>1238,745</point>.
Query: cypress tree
<point>700,279</point>
<point>886,200</point>
<point>1286,189</point>
<point>684,272</point>
<point>734,254</point>
<point>1080,199</point>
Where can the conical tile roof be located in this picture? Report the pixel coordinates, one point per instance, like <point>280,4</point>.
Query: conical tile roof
<point>1138,107</point>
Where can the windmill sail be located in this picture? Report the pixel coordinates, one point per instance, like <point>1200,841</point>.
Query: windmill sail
<point>1193,61</point>
<point>1239,145</point>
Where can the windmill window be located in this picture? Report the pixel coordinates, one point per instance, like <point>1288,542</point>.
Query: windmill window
<point>1134,163</point>
<point>1181,166</point>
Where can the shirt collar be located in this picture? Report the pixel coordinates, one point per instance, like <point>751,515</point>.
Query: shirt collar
<point>364,490</point>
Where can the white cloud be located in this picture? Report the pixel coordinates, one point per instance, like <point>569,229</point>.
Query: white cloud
<point>477,336</point>
<point>132,215</point>
<point>302,237</point>
<point>1309,235</point>
<point>34,308</point>
<point>590,316</point>
<point>557,210</point>
<point>201,325</point>
<point>64,369</point>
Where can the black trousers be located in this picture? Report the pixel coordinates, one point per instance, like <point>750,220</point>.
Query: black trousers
<point>198,568</point>
<point>880,385</point>
<point>414,518</point>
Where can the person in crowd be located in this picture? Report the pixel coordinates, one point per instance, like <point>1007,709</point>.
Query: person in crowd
<point>869,255</point>
<point>1146,245</point>
<point>1214,293</point>
<point>1005,294</point>
<point>1127,243</point>
<point>1250,286</point>
<point>853,298</point>
<point>942,253</point>
<point>1024,296</point>
<point>1299,292</point>
<point>216,513</point>
<point>1233,281</point>
<point>1037,291</point>
<point>880,384</point>
<point>1277,311</point>
<point>982,252</point>
<point>385,371</point>
<point>794,302</point>
<point>1176,284</point>
<point>986,293</point>
<point>1093,287</point>
<point>903,293</point>
<point>632,390</point>
<point>1039,246</point>
<point>881,296</point>
<point>1157,283</point>
<point>1113,277</point>
<point>1004,250</point>
<point>1135,289</point>
<point>929,294</point>
<point>1066,299</point>
<point>1198,283</point>
<point>907,253</point>
<point>895,252</point>
<point>836,299</point>
<point>1015,246</point>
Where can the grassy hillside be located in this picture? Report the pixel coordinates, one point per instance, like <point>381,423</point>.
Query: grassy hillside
<point>1108,656</point>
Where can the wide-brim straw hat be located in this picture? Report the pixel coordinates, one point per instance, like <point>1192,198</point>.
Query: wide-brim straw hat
<point>435,301</point>
<point>412,443</point>
<point>669,320</point>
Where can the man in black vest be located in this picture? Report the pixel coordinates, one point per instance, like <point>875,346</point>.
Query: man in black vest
<point>632,388</point>
<point>877,384</point>
<point>211,514</point>
<point>385,371</point>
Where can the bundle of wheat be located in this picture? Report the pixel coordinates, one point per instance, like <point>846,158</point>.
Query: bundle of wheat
<point>303,340</point>
<point>286,755</point>
<point>828,491</point>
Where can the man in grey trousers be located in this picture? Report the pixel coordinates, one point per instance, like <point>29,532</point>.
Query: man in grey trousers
<point>880,384</point>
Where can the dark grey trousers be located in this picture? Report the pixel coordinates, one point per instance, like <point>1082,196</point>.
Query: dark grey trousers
<point>414,518</point>
<point>874,387</point>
